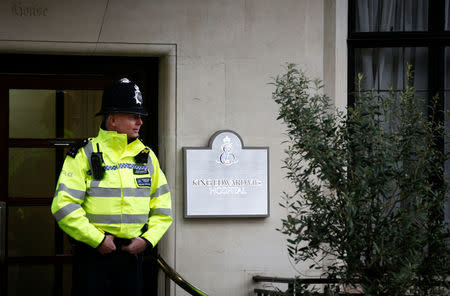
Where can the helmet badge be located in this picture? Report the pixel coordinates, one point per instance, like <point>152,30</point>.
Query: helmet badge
<point>137,95</point>
<point>137,92</point>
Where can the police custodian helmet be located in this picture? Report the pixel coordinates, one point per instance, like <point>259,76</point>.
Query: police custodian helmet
<point>122,96</point>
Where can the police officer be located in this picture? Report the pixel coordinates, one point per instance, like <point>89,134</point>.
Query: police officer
<point>112,198</point>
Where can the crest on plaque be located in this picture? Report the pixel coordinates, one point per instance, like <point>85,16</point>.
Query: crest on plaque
<point>227,157</point>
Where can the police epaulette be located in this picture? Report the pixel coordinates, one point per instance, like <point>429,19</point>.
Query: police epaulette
<point>142,156</point>
<point>73,150</point>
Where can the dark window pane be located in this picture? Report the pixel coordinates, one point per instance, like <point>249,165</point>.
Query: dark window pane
<point>418,58</point>
<point>33,113</point>
<point>364,58</point>
<point>80,107</point>
<point>31,172</point>
<point>26,280</point>
<point>391,68</point>
<point>30,231</point>
<point>387,67</point>
<point>391,15</point>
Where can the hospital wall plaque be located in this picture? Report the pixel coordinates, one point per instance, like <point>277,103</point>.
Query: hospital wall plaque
<point>226,179</point>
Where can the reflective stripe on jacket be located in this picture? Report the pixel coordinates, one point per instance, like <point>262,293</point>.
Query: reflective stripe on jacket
<point>129,195</point>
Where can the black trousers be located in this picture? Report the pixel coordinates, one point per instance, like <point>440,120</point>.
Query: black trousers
<point>118,273</point>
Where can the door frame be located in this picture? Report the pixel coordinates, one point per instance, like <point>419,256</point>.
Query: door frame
<point>166,108</point>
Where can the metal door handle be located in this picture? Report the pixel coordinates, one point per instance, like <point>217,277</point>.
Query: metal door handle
<point>65,143</point>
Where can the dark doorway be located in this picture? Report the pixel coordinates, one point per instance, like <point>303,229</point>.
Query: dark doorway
<point>48,102</point>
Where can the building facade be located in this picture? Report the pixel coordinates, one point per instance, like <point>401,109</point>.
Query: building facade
<point>206,67</point>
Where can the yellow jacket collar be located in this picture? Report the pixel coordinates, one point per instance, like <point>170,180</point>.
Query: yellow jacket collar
<point>115,146</point>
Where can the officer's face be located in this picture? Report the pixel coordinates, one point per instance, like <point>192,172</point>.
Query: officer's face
<point>124,123</point>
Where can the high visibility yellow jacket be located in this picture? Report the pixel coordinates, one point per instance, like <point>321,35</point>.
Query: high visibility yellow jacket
<point>128,196</point>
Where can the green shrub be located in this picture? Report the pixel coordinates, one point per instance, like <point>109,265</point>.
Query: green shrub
<point>370,190</point>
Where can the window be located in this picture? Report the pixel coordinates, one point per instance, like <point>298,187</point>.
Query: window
<point>391,16</point>
<point>385,35</point>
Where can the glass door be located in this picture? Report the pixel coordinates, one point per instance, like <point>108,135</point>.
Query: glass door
<point>45,116</point>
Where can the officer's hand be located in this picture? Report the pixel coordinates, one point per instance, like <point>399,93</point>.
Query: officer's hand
<point>136,246</point>
<point>107,245</point>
